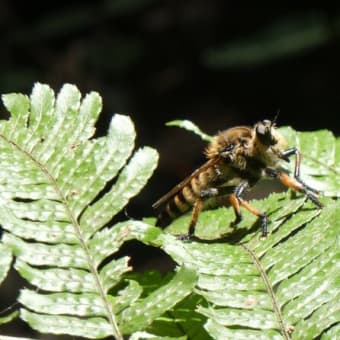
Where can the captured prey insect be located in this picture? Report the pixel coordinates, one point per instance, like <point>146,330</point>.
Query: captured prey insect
<point>237,159</point>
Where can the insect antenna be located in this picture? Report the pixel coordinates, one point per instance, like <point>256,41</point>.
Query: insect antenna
<point>273,122</point>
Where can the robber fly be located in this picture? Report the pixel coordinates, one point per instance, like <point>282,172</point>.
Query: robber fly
<point>237,159</point>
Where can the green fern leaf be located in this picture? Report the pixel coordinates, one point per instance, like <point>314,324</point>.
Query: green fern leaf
<point>183,319</point>
<point>266,288</point>
<point>52,207</point>
<point>190,126</point>
<point>320,153</point>
<point>142,313</point>
<point>320,164</point>
<point>285,286</point>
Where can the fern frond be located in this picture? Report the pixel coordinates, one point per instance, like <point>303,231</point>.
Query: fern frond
<point>320,164</point>
<point>288,283</point>
<point>320,151</point>
<point>57,198</point>
<point>285,286</point>
<point>190,126</point>
<point>55,206</point>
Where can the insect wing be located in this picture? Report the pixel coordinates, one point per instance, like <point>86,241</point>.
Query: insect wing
<point>181,185</point>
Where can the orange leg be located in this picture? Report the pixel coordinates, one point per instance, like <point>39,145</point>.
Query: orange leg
<point>285,156</point>
<point>236,206</point>
<point>194,216</point>
<point>289,182</point>
<point>294,184</point>
<point>204,194</point>
<point>250,208</point>
<point>236,201</point>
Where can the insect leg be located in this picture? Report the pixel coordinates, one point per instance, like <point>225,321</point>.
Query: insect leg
<point>194,216</point>
<point>234,201</point>
<point>294,184</point>
<point>237,201</point>
<point>208,193</point>
<point>285,156</point>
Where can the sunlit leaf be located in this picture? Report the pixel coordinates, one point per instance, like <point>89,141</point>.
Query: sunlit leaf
<point>57,196</point>
<point>60,188</point>
<point>190,126</point>
<point>285,286</point>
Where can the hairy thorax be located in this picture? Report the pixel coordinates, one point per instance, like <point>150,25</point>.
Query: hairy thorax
<point>243,155</point>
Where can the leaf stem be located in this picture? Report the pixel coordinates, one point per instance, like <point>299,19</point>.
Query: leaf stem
<point>276,307</point>
<point>73,220</point>
<point>321,164</point>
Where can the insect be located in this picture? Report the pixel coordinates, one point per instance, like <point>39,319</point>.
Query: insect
<point>237,159</point>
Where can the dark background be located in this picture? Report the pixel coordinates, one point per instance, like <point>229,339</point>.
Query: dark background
<point>218,63</point>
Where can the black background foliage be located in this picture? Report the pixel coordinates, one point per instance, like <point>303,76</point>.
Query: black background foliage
<point>219,63</point>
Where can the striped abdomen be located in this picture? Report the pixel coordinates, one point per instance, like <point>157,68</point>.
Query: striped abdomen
<point>185,196</point>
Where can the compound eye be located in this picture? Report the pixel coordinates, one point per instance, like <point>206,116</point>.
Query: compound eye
<point>261,129</point>
<point>264,133</point>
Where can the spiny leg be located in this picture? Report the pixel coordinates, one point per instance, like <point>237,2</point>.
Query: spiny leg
<point>285,156</point>
<point>262,216</point>
<point>205,194</point>
<point>194,216</point>
<point>294,184</point>
<point>236,201</point>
